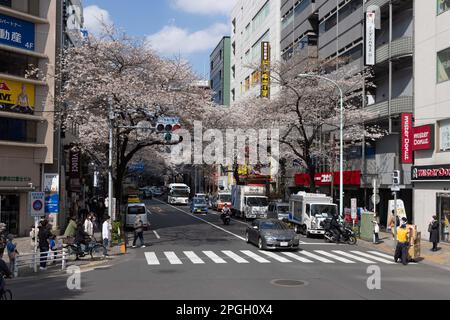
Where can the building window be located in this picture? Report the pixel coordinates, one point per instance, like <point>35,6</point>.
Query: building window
<point>261,16</point>
<point>17,130</point>
<point>6,3</point>
<point>16,64</point>
<point>255,77</point>
<point>444,135</point>
<point>247,84</point>
<point>443,65</point>
<point>443,5</point>
<point>233,94</point>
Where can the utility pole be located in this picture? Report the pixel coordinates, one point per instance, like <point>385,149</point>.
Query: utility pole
<point>111,213</point>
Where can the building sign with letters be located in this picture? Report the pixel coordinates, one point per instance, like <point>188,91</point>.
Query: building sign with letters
<point>351,178</point>
<point>423,137</point>
<point>431,173</point>
<point>370,38</point>
<point>407,139</point>
<point>17,33</point>
<point>16,96</point>
<point>265,69</point>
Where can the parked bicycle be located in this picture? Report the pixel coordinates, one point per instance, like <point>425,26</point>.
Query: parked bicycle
<point>92,248</point>
<point>5,294</point>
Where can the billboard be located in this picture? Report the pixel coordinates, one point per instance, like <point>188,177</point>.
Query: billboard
<point>423,137</point>
<point>370,38</point>
<point>265,69</point>
<point>431,173</point>
<point>16,96</point>
<point>17,33</point>
<point>407,139</point>
<point>51,189</point>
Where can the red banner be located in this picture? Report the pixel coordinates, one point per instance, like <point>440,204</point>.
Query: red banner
<point>351,178</point>
<point>423,137</point>
<point>407,139</point>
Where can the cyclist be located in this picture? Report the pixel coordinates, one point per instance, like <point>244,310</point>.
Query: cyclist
<point>4,272</point>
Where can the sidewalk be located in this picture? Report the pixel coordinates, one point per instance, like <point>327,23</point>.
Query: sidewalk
<point>440,258</point>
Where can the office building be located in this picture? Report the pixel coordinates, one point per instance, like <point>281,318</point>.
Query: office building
<point>220,69</point>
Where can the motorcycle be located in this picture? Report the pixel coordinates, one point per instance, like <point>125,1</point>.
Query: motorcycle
<point>226,217</point>
<point>346,235</point>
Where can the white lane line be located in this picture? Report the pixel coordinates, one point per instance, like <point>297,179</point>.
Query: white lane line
<point>351,256</point>
<point>275,256</point>
<point>172,257</point>
<point>211,224</point>
<point>254,256</point>
<point>156,234</point>
<point>316,257</point>
<point>373,257</point>
<point>151,258</point>
<point>214,257</point>
<point>235,257</point>
<point>193,257</point>
<point>333,256</point>
<point>388,256</point>
<point>296,257</point>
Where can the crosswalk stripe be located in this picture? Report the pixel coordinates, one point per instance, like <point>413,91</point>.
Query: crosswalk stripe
<point>296,257</point>
<point>275,256</point>
<point>151,258</point>
<point>255,256</point>
<point>314,256</point>
<point>172,257</point>
<point>373,257</point>
<point>333,256</point>
<point>214,257</point>
<point>381,254</point>
<point>235,257</point>
<point>193,257</point>
<point>348,255</point>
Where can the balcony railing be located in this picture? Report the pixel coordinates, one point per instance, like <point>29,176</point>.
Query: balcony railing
<point>398,105</point>
<point>400,47</point>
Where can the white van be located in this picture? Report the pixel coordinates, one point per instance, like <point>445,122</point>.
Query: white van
<point>135,209</point>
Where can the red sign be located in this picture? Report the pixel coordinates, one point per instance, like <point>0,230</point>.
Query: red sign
<point>351,178</point>
<point>423,137</point>
<point>407,138</point>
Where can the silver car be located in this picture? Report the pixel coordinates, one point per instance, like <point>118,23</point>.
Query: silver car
<point>269,234</point>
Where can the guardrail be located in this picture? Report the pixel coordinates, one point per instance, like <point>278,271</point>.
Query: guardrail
<point>33,260</point>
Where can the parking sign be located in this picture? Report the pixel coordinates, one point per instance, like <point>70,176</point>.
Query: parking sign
<point>37,204</point>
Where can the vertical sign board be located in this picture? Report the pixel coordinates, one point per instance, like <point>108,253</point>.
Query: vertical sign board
<point>265,69</point>
<point>370,38</point>
<point>37,204</point>
<point>354,208</point>
<point>51,189</point>
<point>407,139</point>
<point>75,171</point>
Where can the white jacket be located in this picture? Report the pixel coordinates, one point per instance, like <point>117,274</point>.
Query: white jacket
<point>106,230</point>
<point>89,227</point>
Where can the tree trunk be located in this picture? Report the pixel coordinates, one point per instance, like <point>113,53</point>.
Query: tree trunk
<point>312,176</point>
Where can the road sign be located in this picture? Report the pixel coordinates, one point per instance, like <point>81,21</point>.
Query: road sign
<point>37,204</point>
<point>395,188</point>
<point>375,199</point>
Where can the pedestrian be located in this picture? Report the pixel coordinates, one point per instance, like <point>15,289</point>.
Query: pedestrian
<point>138,232</point>
<point>106,234</point>
<point>44,245</point>
<point>433,229</point>
<point>33,234</point>
<point>53,248</point>
<point>376,232</point>
<point>401,251</point>
<point>11,248</point>
<point>3,239</point>
<point>71,228</point>
<point>89,225</point>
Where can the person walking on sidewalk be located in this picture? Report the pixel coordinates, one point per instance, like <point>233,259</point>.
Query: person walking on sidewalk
<point>106,234</point>
<point>2,239</point>
<point>44,244</point>
<point>138,232</point>
<point>11,248</point>
<point>376,232</point>
<point>433,229</point>
<point>401,251</point>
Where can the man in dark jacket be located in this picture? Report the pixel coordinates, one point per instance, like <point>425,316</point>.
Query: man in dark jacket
<point>138,232</point>
<point>44,245</point>
<point>335,227</point>
<point>434,233</point>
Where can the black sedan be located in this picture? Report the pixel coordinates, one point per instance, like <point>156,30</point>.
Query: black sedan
<point>271,234</point>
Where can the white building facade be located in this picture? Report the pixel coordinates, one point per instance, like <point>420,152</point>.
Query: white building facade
<point>253,22</point>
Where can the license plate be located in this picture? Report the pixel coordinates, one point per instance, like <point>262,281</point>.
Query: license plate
<point>199,210</point>
<point>284,244</point>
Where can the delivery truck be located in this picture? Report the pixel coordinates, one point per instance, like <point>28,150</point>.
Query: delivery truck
<point>249,202</point>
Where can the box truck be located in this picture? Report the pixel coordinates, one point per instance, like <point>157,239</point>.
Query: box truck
<point>249,202</point>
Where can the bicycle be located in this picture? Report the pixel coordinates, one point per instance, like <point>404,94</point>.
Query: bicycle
<point>5,294</point>
<point>92,248</point>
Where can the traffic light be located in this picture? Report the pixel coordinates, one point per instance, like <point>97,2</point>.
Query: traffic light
<point>396,178</point>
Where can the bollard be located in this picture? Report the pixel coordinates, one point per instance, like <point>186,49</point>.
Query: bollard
<point>63,259</point>
<point>16,268</point>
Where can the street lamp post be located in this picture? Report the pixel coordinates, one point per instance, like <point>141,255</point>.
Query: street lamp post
<point>341,160</point>
<point>111,213</point>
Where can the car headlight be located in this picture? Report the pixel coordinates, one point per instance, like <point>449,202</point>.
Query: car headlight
<point>271,239</point>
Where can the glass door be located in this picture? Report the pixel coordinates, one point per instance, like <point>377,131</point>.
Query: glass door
<point>9,212</point>
<point>444,215</point>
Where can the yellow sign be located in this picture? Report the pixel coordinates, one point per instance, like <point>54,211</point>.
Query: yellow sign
<point>16,96</point>
<point>265,70</point>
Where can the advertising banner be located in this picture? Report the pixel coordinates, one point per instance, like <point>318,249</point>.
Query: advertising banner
<point>370,39</point>
<point>265,69</point>
<point>17,33</point>
<point>351,178</point>
<point>51,188</point>
<point>407,139</point>
<point>75,170</point>
<point>16,96</point>
<point>431,173</point>
<point>423,137</point>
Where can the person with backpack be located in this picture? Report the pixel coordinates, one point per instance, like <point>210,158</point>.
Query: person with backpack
<point>433,229</point>
<point>11,248</point>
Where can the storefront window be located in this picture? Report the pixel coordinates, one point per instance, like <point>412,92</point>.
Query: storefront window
<point>9,212</point>
<point>443,65</point>
<point>444,133</point>
<point>443,5</point>
<point>444,215</point>
<point>17,130</point>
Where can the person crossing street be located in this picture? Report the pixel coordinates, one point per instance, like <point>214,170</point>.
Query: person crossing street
<point>401,251</point>
<point>138,232</point>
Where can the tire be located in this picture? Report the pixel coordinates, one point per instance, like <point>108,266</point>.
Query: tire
<point>260,244</point>
<point>97,251</point>
<point>72,252</point>
<point>352,240</point>
<point>6,295</point>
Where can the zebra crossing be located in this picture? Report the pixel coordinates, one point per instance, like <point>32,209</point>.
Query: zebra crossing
<point>266,257</point>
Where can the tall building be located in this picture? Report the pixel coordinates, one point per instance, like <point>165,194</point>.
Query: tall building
<point>28,32</point>
<point>431,173</point>
<point>220,69</point>
<point>253,22</point>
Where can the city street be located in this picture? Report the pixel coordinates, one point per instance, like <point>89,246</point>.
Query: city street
<point>197,258</point>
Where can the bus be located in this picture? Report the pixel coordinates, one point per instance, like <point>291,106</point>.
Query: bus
<point>178,193</point>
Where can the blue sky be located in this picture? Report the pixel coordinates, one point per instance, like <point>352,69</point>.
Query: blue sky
<point>191,28</point>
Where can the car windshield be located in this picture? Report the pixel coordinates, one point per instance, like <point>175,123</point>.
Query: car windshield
<point>199,201</point>
<point>179,193</point>
<point>136,210</point>
<point>225,198</point>
<point>325,210</point>
<point>257,202</point>
<point>273,225</point>
<point>283,209</point>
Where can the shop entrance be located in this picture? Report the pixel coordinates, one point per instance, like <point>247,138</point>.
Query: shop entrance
<point>443,213</point>
<point>9,212</point>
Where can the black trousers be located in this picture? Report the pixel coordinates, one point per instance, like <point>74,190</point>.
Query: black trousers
<point>435,245</point>
<point>139,235</point>
<point>44,252</point>
<point>401,252</point>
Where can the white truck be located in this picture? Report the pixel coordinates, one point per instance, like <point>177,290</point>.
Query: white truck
<point>249,202</point>
<point>308,210</point>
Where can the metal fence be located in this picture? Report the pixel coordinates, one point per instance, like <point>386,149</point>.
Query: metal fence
<point>33,260</point>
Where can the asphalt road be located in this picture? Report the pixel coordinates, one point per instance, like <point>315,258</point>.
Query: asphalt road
<point>197,258</point>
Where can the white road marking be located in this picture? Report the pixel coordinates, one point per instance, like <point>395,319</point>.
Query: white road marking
<point>275,256</point>
<point>151,258</point>
<point>193,257</point>
<point>296,257</point>
<point>235,257</point>
<point>348,255</point>
<point>255,256</point>
<point>211,224</point>
<point>172,257</point>
<point>373,257</point>
<point>156,234</point>
<point>214,257</point>
<point>316,257</point>
<point>333,256</point>
<point>387,256</point>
